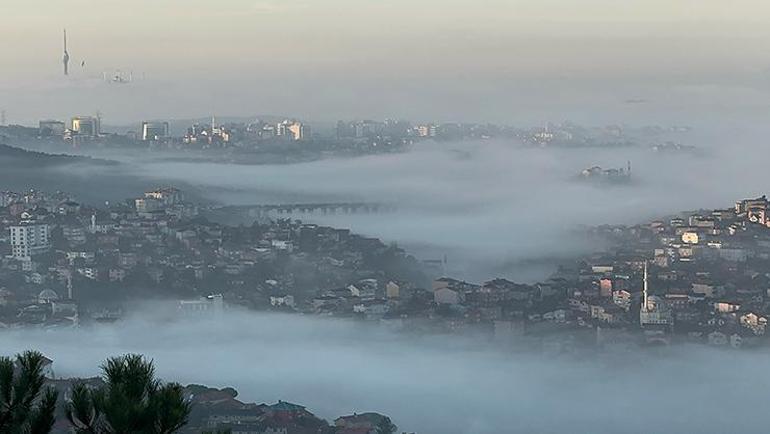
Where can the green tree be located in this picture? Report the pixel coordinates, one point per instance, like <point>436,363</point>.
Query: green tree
<point>131,401</point>
<point>25,405</point>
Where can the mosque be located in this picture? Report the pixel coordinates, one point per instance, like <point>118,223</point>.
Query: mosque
<point>655,314</point>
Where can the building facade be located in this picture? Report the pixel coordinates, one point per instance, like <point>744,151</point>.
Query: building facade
<point>29,239</point>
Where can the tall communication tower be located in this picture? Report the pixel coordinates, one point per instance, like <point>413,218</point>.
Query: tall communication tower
<point>66,59</point>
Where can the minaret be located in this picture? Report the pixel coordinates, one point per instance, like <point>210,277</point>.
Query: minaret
<point>69,286</point>
<point>93,223</point>
<point>644,300</point>
<point>66,59</point>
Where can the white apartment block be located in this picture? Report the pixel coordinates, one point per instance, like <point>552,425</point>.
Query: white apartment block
<point>29,239</point>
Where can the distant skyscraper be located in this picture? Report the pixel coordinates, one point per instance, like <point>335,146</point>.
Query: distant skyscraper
<point>66,59</point>
<point>294,130</point>
<point>86,126</point>
<point>154,130</point>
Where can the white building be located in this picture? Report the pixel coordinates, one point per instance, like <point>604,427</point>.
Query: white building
<point>295,130</point>
<point>154,131</point>
<point>210,304</point>
<point>166,195</point>
<point>283,245</point>
<point>86,126</point>
<point>282,300</point>
<point>427,130</point>
<point>146,204</point>
<point>29,239</point>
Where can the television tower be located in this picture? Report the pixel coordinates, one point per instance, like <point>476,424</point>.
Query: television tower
<point>66,59</point>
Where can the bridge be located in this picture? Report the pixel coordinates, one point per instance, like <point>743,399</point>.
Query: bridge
<point>329,208</point>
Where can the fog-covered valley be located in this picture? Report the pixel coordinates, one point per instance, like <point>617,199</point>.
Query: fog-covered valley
<point>434,384</point>
<point>492,207</point>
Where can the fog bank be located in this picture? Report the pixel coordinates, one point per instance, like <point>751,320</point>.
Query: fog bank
<point>492,205</point>
<point>336,367</point>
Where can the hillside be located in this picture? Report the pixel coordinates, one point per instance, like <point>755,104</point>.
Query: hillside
<point>91,180</point>
<point>13,157</point>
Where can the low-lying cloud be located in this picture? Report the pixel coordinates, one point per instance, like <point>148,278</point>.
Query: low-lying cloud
<point>447,385</point>
<point>490,205</point>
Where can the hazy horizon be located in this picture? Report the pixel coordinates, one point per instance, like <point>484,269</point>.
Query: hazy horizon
<point>504,61</point>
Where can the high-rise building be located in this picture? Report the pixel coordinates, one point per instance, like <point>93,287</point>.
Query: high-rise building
<point>86,126</point>
<point>154,130</point>
<point>298,130</point>
<point>294,130</point>
<point>426,130</point>
<point>29,238</point>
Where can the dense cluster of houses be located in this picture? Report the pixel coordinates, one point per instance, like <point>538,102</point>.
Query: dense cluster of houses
<point>699,276</point>
<point>63,262</point>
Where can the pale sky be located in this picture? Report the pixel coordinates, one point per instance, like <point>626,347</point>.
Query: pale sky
<point>430,59</point>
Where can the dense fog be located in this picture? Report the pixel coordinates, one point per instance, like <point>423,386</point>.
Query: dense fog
<point>489,206</point>
<point>683,73</point>
<point>427,384</point>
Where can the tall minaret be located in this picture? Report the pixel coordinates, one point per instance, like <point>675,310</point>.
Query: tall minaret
<point>644,299</point>
<point>66,59</point>
<point>69,286</point>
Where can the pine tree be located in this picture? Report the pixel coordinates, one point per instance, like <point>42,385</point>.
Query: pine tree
<point>26,406</point>
<point>131,401</point>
